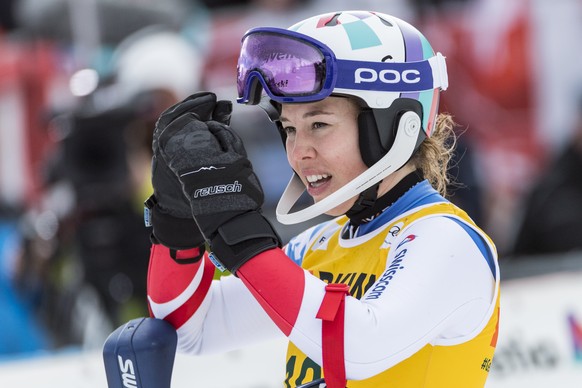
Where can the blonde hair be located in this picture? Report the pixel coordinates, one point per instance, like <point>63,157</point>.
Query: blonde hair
<point>435,153</point>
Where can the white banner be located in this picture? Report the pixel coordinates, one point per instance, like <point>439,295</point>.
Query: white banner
<point>540,333</point>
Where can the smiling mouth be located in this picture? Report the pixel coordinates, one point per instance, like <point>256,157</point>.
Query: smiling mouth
<point>317,180</point>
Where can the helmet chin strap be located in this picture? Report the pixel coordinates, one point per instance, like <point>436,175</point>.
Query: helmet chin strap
<point>405,143</point>
<point>366,201</point>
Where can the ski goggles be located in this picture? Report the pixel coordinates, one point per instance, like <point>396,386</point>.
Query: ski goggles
<point>293,67</point>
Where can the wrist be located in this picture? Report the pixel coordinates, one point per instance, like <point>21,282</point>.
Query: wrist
<point>241,238</point>
<point>188,256</point>
<point>173,232</point>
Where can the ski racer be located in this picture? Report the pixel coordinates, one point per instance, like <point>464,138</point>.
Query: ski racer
<point>400,288</point>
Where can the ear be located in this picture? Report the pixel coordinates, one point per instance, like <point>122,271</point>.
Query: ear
<point>377,128</point>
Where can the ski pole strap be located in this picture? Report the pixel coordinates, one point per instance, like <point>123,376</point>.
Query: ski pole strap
<point>332,314</point>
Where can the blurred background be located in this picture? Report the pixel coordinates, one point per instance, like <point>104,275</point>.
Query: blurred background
<point>83,81</point>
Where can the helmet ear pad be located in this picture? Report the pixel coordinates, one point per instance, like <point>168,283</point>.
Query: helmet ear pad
<point>378,127</point>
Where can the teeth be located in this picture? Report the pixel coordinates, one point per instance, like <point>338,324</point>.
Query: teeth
<point>315,178</point>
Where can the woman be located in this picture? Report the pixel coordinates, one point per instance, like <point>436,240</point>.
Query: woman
<point>400,288</point>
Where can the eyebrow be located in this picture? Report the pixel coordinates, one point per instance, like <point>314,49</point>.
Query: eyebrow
<point>311,113</point>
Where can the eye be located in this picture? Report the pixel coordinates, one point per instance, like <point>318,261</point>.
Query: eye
<point>289,130</point>
<point>318,125</point>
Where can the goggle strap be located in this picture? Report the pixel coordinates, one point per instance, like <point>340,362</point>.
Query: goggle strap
<point>404,145</point>
<point>400,77</point>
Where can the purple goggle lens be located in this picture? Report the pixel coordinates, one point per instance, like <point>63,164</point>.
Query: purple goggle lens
<point>284,65</point>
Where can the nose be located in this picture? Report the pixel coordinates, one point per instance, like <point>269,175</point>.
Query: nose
<point>300,147</point>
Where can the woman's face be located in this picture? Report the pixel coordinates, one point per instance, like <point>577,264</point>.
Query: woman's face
<point>322,146</point>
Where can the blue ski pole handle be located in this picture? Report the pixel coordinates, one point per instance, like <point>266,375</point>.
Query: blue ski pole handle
<point>140,354</point>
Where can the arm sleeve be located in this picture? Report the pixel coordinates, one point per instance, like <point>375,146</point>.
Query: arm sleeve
<point>437,286</point>
<point>209,315</point>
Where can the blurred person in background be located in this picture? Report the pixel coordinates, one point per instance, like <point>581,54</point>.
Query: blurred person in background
<point>79,92</point>
<point>105,156</point>
<point>551,221</point>
<point>399,287</point>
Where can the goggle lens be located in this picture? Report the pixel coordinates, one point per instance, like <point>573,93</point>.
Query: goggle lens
<point>287,66</point>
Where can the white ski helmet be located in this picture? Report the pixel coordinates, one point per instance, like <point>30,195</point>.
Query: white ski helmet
<point>379,59</point>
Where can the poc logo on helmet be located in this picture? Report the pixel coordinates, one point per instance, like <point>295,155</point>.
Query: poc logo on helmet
<point>387,76</point>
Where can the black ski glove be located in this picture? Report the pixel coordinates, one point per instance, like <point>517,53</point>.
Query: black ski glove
<point>224,193</point>
<point>168,209</point>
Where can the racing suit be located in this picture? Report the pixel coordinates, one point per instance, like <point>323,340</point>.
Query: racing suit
<point>423,308</point>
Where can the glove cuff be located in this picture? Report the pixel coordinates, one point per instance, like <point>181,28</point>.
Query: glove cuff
<point>173,232</point>
<point>242,238</point>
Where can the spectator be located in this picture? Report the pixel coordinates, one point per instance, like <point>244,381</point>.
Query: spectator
<point>552,212</point>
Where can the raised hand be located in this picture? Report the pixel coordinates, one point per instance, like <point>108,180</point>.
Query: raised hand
<point>224,193</point>
<point>169,209</point>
